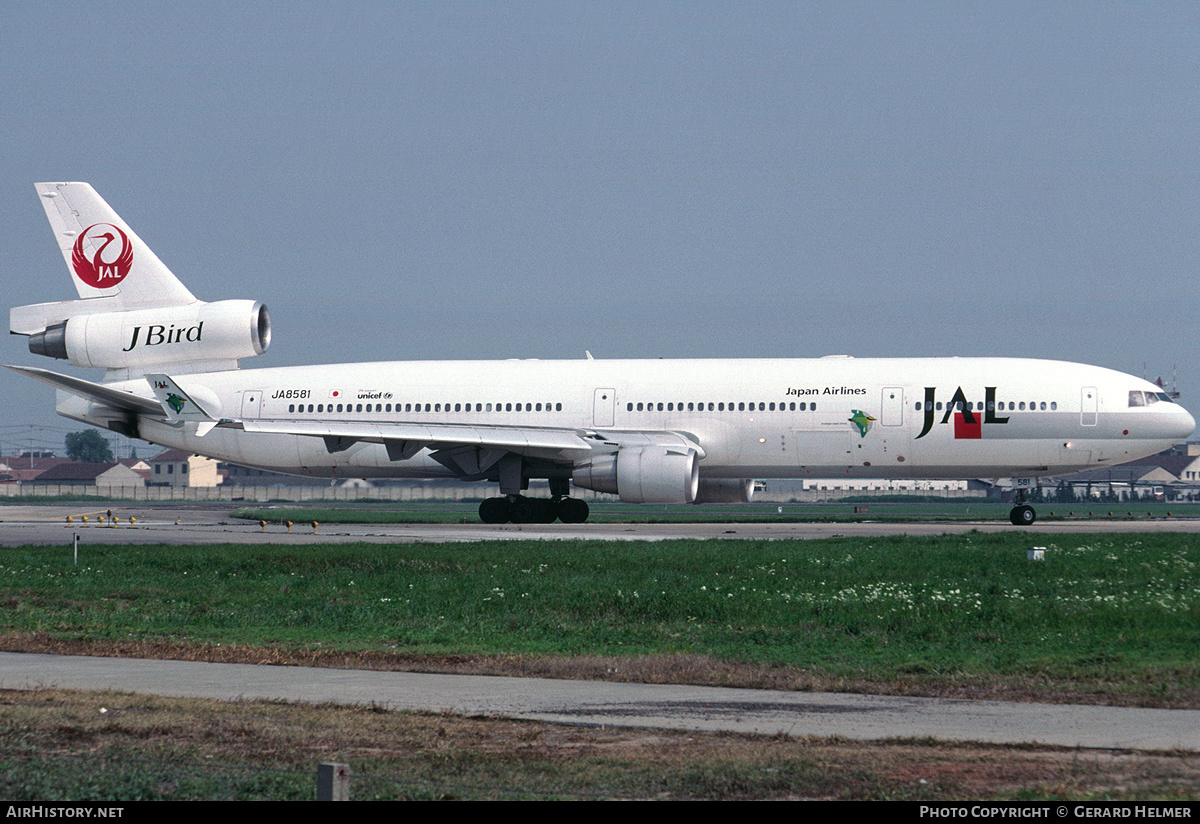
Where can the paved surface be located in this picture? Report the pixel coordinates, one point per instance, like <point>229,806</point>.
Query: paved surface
<point>207,525</point>
<point>864,717</point>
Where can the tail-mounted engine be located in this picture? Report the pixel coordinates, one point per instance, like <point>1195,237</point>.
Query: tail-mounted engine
<point>209,332</point>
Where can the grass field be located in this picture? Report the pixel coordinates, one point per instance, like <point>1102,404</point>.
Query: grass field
<point>1111,617</point>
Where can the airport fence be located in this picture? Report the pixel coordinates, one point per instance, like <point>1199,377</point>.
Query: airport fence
<point>407,492</point>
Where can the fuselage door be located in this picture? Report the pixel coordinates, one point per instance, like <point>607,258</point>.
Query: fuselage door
<point>1088,406</point>
<point>891,407</point>
<point>603,407</point>
<point>252,403</point>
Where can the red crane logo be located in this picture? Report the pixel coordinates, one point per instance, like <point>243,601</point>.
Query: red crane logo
<point>99,272</point>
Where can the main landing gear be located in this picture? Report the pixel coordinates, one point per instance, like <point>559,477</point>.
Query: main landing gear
<point>521,510</point>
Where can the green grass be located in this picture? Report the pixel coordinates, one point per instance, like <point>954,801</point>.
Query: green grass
<point>1119,609</point>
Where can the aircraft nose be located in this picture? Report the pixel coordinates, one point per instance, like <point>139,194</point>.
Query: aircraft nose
<point>1178,425</point>
<point>1187,424</point>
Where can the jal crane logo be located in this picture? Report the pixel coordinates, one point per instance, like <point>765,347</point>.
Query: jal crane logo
<point>107,266</point>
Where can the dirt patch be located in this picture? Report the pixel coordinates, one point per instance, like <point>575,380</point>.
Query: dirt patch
<point>422,755</point>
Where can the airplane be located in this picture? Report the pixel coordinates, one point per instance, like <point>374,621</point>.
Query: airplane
<point>649,431</point>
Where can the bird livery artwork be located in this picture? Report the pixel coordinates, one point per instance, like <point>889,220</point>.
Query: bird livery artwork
<point>862,421</point>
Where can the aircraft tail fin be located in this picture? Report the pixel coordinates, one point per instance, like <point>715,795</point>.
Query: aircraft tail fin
<point>104,256</point>
<point>133,313</point>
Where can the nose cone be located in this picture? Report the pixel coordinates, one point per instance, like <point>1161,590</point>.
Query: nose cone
<point>1186,425</point>
<point>1172,423</point>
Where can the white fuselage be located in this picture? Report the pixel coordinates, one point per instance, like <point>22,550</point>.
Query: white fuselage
<point>825,417</point>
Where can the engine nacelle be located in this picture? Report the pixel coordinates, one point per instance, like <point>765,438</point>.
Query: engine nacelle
<point>725,491</point>
<point>643,475</point>
<point>214,332</point>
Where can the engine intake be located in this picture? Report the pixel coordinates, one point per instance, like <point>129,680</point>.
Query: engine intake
<point>643,475</point>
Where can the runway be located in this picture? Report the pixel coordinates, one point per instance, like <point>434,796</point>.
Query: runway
<point>680,707</point>
<point>22,525</point>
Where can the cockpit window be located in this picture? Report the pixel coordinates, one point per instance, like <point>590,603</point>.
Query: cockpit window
<point>1135,398</point>
<point>1163,396</point>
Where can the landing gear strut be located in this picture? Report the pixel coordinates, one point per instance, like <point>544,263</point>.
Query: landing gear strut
<point>521,510</point>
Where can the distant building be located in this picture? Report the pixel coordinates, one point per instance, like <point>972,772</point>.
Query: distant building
<point>101,475</point>
<point>174,467</point>
<point>28,466</point>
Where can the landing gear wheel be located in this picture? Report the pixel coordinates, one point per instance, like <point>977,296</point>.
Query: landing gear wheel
<point>549,511</point>
<point>494,511</point>
<point>1022,515</point>
<point>572,511</point>
<point>524,510</point>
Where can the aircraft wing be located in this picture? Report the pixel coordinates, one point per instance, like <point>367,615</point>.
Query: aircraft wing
<point>116,398</point>
<point>470,450</point>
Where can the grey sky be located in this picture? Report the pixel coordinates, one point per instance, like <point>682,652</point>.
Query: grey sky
<point>485,180</point>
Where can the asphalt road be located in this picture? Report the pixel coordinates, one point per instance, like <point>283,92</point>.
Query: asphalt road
<point>20,525</point>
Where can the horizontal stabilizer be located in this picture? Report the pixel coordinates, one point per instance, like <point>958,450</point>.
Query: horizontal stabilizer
<point>116,398</point>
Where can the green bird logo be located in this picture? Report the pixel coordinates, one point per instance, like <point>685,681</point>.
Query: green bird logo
<point>862,420</point>
<point>175,402</point>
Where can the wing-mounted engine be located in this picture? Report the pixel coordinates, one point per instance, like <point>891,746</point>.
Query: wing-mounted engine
<point>212,333</point>
<point>643,474</point>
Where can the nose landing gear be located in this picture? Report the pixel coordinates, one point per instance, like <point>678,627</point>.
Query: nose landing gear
<point>1022,515</point>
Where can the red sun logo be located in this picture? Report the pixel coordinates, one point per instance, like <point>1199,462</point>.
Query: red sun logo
<point>111,261</point>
